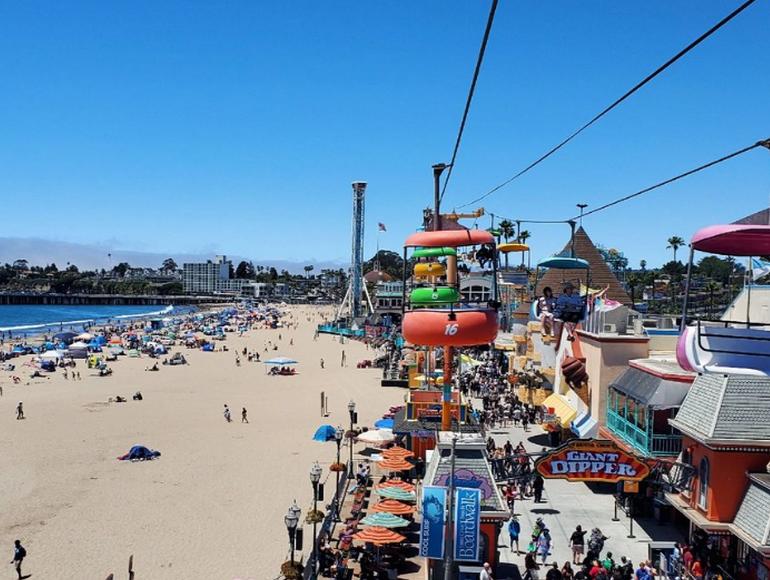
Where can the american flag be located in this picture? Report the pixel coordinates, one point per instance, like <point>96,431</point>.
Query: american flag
<point>381,227</point>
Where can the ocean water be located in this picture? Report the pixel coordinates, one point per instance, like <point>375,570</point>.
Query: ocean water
<point>36,318</point>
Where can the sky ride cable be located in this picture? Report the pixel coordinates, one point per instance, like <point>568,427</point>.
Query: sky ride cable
<point>763,143</point>
<point>471,91</point>
<point>617,102</point>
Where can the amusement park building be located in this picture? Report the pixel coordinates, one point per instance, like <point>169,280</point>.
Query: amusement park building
<point>725,423</point>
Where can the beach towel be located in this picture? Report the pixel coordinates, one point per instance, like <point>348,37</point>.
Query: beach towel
<point>139,453</point>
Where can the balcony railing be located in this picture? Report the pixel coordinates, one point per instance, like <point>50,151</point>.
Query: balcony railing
<point>641,440</point>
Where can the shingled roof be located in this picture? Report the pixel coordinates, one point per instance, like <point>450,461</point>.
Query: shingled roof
<point>726,408</point>
<point>600,272</point>
<point>753,517</point>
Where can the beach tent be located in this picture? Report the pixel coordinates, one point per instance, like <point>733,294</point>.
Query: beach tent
<point>65,336</point>
<point>325,433</point>
<point>85,336</point>
<point>281,360</point>
<point>376,437</point>
<point>52,355</point>
<point>384,424</point>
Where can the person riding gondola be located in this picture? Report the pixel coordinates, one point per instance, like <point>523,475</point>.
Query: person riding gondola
<point>569,310</point>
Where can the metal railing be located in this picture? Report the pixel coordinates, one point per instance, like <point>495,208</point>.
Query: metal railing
<point>648,443</point>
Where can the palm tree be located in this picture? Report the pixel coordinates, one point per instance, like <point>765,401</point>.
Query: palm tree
<point>643,265</point>
<point>674,243</point>
<point>507,230</point>
<point>523,236</point>
<point>308,269</point>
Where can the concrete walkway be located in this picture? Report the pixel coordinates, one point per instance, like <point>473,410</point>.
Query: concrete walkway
<point>564,506</point>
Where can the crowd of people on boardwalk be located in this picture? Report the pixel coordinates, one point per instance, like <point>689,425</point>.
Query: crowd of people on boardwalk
<point>589,561</point>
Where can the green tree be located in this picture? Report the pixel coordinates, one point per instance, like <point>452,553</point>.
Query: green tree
<point>121,269</point>
<point>245,270</point>
<point>674,243</point>
<point>309,268</point>
<point>169,265</point>
<point>643,265</point>
<point>712,288</point>
<point>633,281</point>
<point>387,261</point>
<point>20,264</point>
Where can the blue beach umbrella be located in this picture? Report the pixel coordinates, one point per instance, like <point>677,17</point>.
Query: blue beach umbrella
<point>324,433</point>
<point>384,424</point>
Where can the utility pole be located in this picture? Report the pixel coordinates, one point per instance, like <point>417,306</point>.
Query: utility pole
<point>438,169</point>
<point>449,544</point>
<point>581,207</point>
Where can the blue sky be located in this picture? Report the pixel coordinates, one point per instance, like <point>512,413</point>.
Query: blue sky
<point>238,126</point>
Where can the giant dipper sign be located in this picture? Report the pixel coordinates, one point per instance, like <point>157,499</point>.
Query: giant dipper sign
<point>591,460</point>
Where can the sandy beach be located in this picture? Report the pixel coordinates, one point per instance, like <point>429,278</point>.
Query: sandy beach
<point>212,506</point>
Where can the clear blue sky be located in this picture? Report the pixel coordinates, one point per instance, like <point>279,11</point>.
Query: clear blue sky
<point>238,126</point>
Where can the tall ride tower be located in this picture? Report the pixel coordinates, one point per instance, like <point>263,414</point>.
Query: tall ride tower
<point>357,254</point>
<point>353,302</point>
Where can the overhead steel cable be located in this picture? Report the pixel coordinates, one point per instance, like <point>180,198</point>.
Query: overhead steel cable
<point>618,101</point>
<point>764,143</point>
<point>471,91</point>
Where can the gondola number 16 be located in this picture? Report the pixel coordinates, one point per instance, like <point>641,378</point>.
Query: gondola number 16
<point>451,329</point>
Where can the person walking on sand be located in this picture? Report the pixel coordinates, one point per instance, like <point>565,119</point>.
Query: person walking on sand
<point>244,413</point>
<point>322,363</point>
<point>342,361</point>
<point>20,411</point>
<point>228,418</point>
<point>19,553</point>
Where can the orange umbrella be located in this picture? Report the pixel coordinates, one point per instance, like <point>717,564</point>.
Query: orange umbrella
<point>378,536</point>
<point>395,464</point>
<point>394,452</point>
<point>395,483</point>
<point>392,506</point>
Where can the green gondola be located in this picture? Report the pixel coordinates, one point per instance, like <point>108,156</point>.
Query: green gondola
<point>434,252</point>
<point>431,296</point>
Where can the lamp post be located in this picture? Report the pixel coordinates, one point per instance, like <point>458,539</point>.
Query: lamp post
<point>291,519</point>
<point>315,477</point>
<point>352,413</point>
<point>338,435</point>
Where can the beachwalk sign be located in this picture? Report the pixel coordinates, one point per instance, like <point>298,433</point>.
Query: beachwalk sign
<point>591,460</point>
<point>432,529</point>
<point>467,521</point>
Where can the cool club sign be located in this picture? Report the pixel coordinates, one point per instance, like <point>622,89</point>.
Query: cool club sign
<point>432,529</point>
<point>591,460</point>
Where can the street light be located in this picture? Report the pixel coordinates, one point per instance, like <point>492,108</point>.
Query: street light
<point>338,435</point>
<point>352,413</point>
<point>291,519</point>
<point>315,477</point>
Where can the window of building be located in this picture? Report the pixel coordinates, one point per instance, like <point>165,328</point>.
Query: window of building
<point>641,417</point>
<point>631,411</point>
<point>703,483</point>
<point>621,405</point>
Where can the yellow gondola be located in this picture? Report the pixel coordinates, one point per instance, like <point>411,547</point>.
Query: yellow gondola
<point>512,247</point>
<point>426,269</point>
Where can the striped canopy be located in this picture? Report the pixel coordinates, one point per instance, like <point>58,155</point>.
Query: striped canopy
<point>395,464</point>
<point>378,536</point>
<point>385,520</point>
<point>392,507</point>
<point>397,493</point>
<point>395,483</point>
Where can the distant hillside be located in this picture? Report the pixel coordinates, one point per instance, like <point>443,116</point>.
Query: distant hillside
<point>39,252</point>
